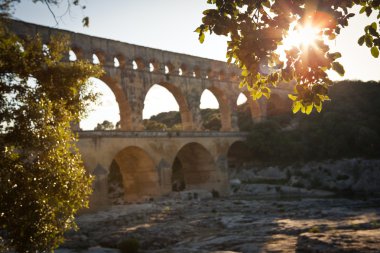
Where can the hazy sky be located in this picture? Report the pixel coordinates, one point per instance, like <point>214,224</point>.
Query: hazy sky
<point>169,25</point>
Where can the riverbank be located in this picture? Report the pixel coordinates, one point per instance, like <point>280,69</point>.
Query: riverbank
<point>240,223</point>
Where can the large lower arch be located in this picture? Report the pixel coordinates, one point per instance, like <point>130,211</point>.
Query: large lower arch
<point>186,116</point>
<point>139,176</point>
<point>237,156</point>
<point>126,122</point>
<point>195,168</point>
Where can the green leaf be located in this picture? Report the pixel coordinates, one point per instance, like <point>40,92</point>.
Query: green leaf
<point>318,107</point>
<point>266,92</point>
<point>257,95</point>
<point>266,4</point>
<point>335,56</point>
<point>309,109</point>
<point>244,72</point>
<point>337,67</point>
<point>374,25</point>
<point>368,40</point>
<point>201,37</point>
<point>375,52</point>
<point>368,11</point>
<point>361,40</point>
<point>296,106</point>
<point>86,21</point>
<point>292,97</point>
<point>242,84</point>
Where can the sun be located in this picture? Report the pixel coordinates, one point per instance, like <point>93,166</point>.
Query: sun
<point>301,36</point>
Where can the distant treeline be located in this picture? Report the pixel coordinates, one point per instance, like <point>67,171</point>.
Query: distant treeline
<point>172,121</point>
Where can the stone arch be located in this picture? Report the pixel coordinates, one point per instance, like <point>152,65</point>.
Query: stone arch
<point>115,188</point>
<point>78,52</point>
<point>99,185</point>
<point>95,59</point>
<point>100,55</point>
<point>106,109</point>
<point>184,70</point>
<point>211,74</point>
<point>194,168</point>
<point>140,63</point>
<point>72,56</point>
<point>155,64</point>
<point>238,154</point>
<point>121,59</point>
<point>233,77</point>
<point>186,116</point>
<point>122,100</point>
<point>196,71</point>
<point>224,108</point>
<point>169,68</point>
<point>139,174</point>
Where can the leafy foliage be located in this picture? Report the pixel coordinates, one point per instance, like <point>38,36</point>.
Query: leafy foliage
<point>168,118</point>
<point>257,29</point>
<point>171,121</point>
<point>211,119</point>
<point>42,179</point>
<point>347,128</point>
<point>152,125</point>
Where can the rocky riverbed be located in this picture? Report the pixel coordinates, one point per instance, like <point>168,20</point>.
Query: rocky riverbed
<point>239,223</point>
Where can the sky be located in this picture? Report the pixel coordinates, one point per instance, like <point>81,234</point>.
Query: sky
<point>170,25</point>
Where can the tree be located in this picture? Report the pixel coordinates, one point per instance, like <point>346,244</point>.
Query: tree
<point>257,29</point>
<point>152,125</point>
<point>106,125</point>
<point>42,179</point>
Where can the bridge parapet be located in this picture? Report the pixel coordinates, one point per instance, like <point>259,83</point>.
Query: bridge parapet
<point>162,134</point>
<point>132,56</point>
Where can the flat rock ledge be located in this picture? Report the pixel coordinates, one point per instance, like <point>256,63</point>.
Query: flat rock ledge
<point>240,223</point>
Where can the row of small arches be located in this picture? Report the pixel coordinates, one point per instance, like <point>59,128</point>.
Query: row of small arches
<point>153,104</point>
<point>155,67</point>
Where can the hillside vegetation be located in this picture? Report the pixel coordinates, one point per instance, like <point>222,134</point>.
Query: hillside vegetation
<point>348,126</point>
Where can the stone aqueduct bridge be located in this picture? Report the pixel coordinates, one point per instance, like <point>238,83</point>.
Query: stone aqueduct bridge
<point>146,160</point>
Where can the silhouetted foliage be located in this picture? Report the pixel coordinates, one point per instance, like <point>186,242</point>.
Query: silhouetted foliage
<point>348,127</point>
